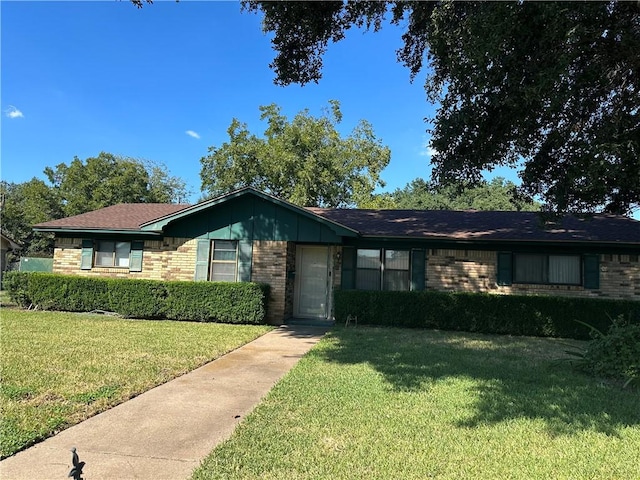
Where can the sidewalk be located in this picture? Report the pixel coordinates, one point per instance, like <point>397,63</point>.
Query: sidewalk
<point>166,432</point>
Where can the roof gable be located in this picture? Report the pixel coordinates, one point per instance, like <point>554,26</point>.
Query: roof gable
<point>161,223</point>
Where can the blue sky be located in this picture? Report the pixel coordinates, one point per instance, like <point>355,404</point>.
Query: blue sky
<point>163,83</point>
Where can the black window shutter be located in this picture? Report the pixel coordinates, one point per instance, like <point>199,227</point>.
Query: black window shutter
<point>86,259</point>
<point>348,268</point>
<point>505,269</point>
<point>417,270</point>
<point>591,271</point>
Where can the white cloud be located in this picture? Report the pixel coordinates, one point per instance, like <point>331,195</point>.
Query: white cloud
<point>430,152</point>
<point>193,134</point>
<point>13,112</point>
<point>427,150</point>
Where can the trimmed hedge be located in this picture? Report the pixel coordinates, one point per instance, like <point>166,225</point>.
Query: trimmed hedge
<point>542,316</point>
<point>196,301</point>
<point>217,302</point>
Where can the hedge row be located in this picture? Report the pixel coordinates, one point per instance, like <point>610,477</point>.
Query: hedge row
<point>542,316</point>
<point>197,301</point>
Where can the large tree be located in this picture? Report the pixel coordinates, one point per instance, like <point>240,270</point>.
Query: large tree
<point>108,179</point>
<point>25,204</point>
<point>550,87</point>
<point>304,160</point>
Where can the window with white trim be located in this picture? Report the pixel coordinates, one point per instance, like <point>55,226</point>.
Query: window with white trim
<point>382,269</point>
<point>547,269</point>
<point>109,253</point>
<point>224,261</point>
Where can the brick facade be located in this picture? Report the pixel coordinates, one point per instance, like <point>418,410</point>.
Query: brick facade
<point>476,271</point>
<point>167,259</point>
<point>272,260</point>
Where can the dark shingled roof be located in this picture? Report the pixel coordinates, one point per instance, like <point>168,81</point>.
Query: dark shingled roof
<point>483,225</point>
<point>420,224</point>
<point>124,216</point>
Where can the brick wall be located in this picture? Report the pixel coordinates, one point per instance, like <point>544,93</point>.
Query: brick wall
<point>270,263</point>
<point>476,271</point>
<point>166,259</point>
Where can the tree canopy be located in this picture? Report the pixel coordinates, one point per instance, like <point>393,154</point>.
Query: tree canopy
<point>304,160</point>
<point>24,205</point>
<point>107,179</point>
<point>80,187</point>
<point>552,88</point>
<point>497,194</point>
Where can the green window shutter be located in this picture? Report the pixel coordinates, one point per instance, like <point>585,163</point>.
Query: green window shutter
<point>417,270</point>
<point>86,259</point>
<point>591,271</point>
<point>505,260</point>
<point>348,268</point>
<point>135,259</point>
<point>202,260</point>
<point>245,255</point>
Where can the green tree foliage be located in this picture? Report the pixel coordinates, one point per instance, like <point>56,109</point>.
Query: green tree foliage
<point>97,182</point>
<point>25,204</point>
<point>305,161</point>
<point>553,87</point>
<point>498,194</point>
<point>78,188</point>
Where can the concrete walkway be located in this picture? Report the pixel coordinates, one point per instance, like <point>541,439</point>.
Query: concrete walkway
<point>167,431</point>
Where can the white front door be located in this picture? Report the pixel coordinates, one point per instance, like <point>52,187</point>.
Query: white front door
<point>311,297</point>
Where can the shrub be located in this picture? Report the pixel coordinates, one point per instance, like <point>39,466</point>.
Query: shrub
<point>68,293</point>
<point>615,354</point>
<point>137,298</point>
<point>544,316</point>
<point>217,302</point>
<point>17,284</point>
<point>200,301</point>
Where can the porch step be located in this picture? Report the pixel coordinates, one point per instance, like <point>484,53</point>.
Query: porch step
<point>310,322</point>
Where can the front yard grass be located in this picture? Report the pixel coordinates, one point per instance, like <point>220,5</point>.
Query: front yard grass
<point>380,403</point>
<point>60,368</point>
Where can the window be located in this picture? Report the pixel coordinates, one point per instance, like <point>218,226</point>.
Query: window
<point>382,269</point>
<point>549,269</point>
<point>224,261</point>
<point>112,254</point>
<point>396,270</point>
<point>368,269</point>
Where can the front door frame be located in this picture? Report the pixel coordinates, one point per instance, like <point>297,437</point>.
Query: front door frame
<point>298,285</point>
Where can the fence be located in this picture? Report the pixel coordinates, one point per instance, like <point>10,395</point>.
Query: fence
<point>31,264</point>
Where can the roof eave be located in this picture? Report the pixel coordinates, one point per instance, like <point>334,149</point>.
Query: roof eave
<point>93,231</point>
<point>467,241</point>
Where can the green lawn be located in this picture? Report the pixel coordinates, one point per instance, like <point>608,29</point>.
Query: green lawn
<point>380,403</point>
<point>61,368</point>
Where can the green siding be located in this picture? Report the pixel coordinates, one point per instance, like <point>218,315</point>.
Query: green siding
<point>252,218</point>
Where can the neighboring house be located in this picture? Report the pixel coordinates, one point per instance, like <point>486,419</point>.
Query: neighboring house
<point>305,253</point>
<point>6,244</point>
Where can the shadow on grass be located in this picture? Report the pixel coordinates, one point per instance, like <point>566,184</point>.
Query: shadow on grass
<point>510,377</point>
